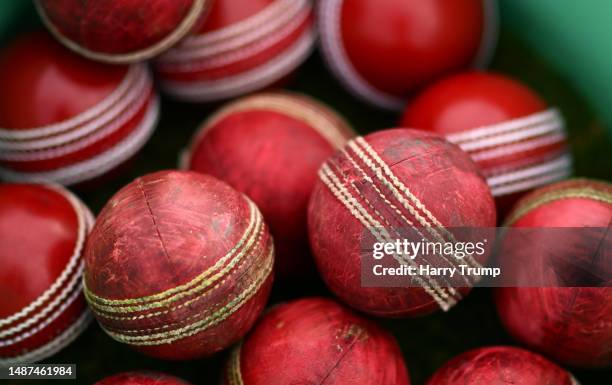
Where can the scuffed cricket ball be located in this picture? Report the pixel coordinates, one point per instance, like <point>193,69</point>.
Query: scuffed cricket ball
<point>42,309</point>
<point>573,325</point>
<point>379,185</point>
<point>518,140</point>
<point>270,146</point>
<point>315,341</point>
<point>178,265</point>
<point>383,51</point>
<point>142,378</point>
<point>500,365</point>
<point>120,31</point>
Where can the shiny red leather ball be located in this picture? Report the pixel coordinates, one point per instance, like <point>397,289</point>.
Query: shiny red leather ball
<point>42,309</point>
<point>66,119</point>
<point>242,47</point>
<point>517,140</point>
<point>383,51</point>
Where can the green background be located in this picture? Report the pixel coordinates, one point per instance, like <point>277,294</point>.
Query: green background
<point>560,48</point>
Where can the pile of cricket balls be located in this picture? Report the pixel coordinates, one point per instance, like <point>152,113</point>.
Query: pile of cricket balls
<point>180,264</point>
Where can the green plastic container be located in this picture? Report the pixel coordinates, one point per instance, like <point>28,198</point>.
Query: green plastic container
<point>574,37</point>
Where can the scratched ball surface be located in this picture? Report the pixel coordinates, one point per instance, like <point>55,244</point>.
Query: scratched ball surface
<point>120,30</point>
<point>573,325</point>
<point>500,365</point>
<point>379,185</point>
<point>314,341</point>
<point>178,265</point>
<point>142,378</point>
<point>269,147</point>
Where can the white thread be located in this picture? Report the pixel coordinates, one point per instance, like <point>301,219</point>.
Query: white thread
<point>337,59</point>
<point>75,259</point>
<point>47,150</point>
<point>329,16</point>
<point>98,165</point>
<point>368,179</point>
<point>76,292</point>
<point>528,184</point>
<point>247,43</point>
<point>555,164</point>
<point>197,64</point>
<point>257,78</point>
<point>432,227</point>
<point>55,345</point>
<point>113,98</point>
<point>431,283</point>
<point>530,177</point>
<point>243,27</point>
<point>511,137</point>
<point>370,223</point>
<point>515,148</point>
<point>547,116</point>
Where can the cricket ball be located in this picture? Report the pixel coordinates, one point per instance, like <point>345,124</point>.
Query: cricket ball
<point>42,309</point>
<point>120,31</point>
<point>315,341</point>
<point>383,51</point>
<point>501,365</point>
<point>573,325</point>
<point>178,265</point>
<point>67,119</point>
<point>518,141</point>
<point>142,378</point>
<point>269,147</point>
<point>243,46</point>
<point>379,185</point>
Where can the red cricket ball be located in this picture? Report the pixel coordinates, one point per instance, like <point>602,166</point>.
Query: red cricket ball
<point>516,139</point>
<point>384,50</point>
<point>315,341</point>
<point>120,31</point>
<point>243,46</point>
<point>142,378</point>
<point>380,184</point>
<point>500,365</point>
<point>42,309</point>
<point>570,324</point>
<point>270,146</point>
<point>67,119</point>
<point>178,265</point>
